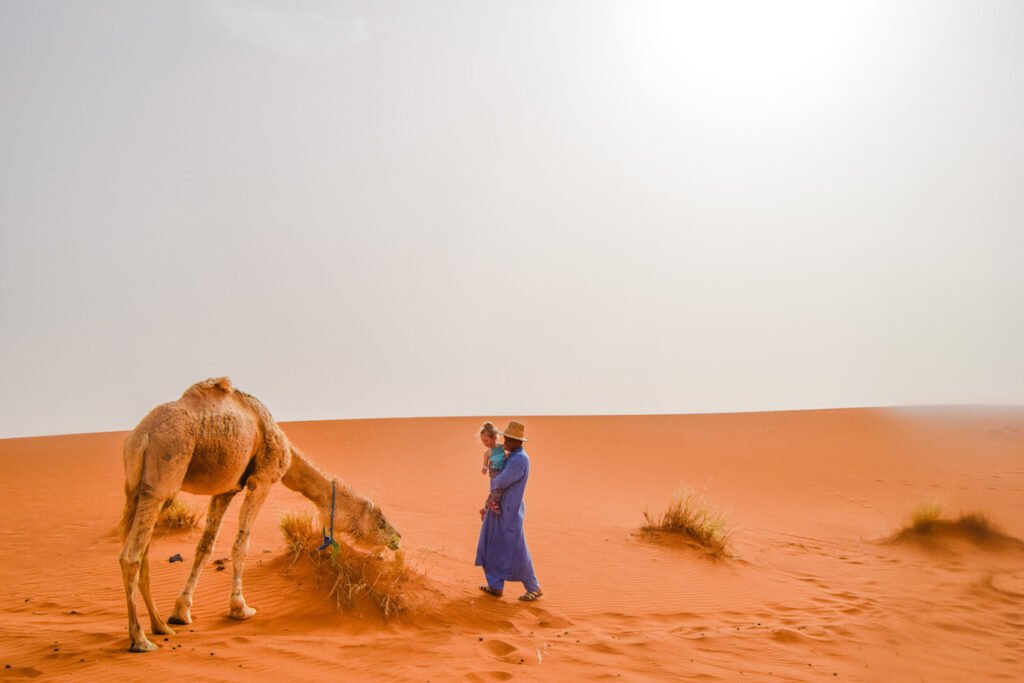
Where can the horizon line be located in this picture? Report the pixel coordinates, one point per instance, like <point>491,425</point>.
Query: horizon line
<point>918,406</point>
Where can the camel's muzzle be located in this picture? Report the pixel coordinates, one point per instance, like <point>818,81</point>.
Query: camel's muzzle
<point>395,542</point>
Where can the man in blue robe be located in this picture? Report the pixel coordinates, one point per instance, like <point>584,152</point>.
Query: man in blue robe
<point>502,550</point>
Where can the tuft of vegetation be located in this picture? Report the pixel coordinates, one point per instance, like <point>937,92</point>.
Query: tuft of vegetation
<point>300,533</point>
<point>178,516</point>
<point>929,528</point>
<point>977,525</point>
<point>360,574</point>
<point>925,515</point>
<point>693,515</point>
<point>353,575</point>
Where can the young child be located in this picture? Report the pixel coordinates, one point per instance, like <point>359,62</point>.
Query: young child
<point>494,462</point>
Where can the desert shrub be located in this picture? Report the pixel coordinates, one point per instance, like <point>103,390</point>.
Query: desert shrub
<point>360,574</point>
<point>695,516</point>
<point>301,533</point>
<point>926,519</point>
<point>178,516</point>
<point>925,515</point>
<point>977,525</point>
<point>929,530</point>
<point>351,574</point>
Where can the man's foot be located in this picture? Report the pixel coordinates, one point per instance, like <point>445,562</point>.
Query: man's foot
<point>530,596</point>
<point>491,591</point>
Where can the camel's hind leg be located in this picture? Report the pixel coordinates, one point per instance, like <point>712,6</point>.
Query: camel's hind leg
<point>156,624</point>
<point>254,499</point>
<point>135,547</point>
<point>182,613</point>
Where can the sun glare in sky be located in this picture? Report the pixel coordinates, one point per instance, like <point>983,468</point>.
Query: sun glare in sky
<point>383,209</point>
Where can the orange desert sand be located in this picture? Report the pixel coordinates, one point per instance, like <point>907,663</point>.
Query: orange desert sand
<point>812,589</point>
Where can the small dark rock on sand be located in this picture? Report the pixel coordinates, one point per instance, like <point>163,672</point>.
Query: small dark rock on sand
<point>176,557</point>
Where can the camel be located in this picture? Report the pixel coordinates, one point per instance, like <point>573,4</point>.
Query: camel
<point>216,440</point>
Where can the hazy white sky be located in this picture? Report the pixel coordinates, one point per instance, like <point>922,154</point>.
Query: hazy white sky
<point>385,209</point>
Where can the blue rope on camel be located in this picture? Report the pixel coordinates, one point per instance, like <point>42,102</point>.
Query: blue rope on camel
<point>329,539</point>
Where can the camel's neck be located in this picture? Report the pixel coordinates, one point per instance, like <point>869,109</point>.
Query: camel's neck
<point>309,480</point>
<point>306,478</point>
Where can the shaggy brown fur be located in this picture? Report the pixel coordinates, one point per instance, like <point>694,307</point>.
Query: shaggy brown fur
<point>215,441</point>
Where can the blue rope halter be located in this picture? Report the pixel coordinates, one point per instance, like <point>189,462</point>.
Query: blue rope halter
<point>329,539</point>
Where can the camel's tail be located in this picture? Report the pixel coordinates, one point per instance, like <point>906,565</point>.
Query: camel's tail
<point>134,451</point>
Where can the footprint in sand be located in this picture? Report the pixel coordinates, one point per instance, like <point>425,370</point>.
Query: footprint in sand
<point>21,672</point>
<point>489,676</point>
<point>499,649</point>
<point>546,619</point>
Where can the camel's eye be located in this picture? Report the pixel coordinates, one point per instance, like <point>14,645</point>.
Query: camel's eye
<point>382,524</point>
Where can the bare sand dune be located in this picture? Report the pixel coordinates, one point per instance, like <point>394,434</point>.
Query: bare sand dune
<point>813,587</point>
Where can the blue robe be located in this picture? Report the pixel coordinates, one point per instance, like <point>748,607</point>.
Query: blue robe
<point>502,550</point>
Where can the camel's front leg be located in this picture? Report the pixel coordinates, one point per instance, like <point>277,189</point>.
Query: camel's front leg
<point>254,499</point>
<point>182,613</point>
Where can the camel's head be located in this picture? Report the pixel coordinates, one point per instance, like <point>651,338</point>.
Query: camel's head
<point>371,527</point>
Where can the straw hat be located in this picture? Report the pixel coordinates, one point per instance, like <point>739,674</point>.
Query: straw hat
<point>515,430</point>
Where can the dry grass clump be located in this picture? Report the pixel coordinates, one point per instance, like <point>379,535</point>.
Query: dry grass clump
<point>353,575</point>
<point>178,515</point>
<point>924,516</point>
<point>693,515</point>
<point>977,525</point>
<point>300,533</point>
<point>928,527</point>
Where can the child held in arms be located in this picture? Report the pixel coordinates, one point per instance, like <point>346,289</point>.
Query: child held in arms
<point>494,461</point>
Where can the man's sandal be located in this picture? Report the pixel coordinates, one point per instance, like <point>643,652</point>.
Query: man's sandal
<point>530,596</point>
<point>491,591</point>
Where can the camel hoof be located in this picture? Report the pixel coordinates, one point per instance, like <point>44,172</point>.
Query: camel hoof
<point>162,629</point>
<point>179,621</point>
<point>143,646</point>
<point>243,613</point>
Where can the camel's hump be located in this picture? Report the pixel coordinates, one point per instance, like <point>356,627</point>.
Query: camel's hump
<point>214,384</point>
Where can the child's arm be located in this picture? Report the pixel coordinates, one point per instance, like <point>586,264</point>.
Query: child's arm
<point>487,458</point>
